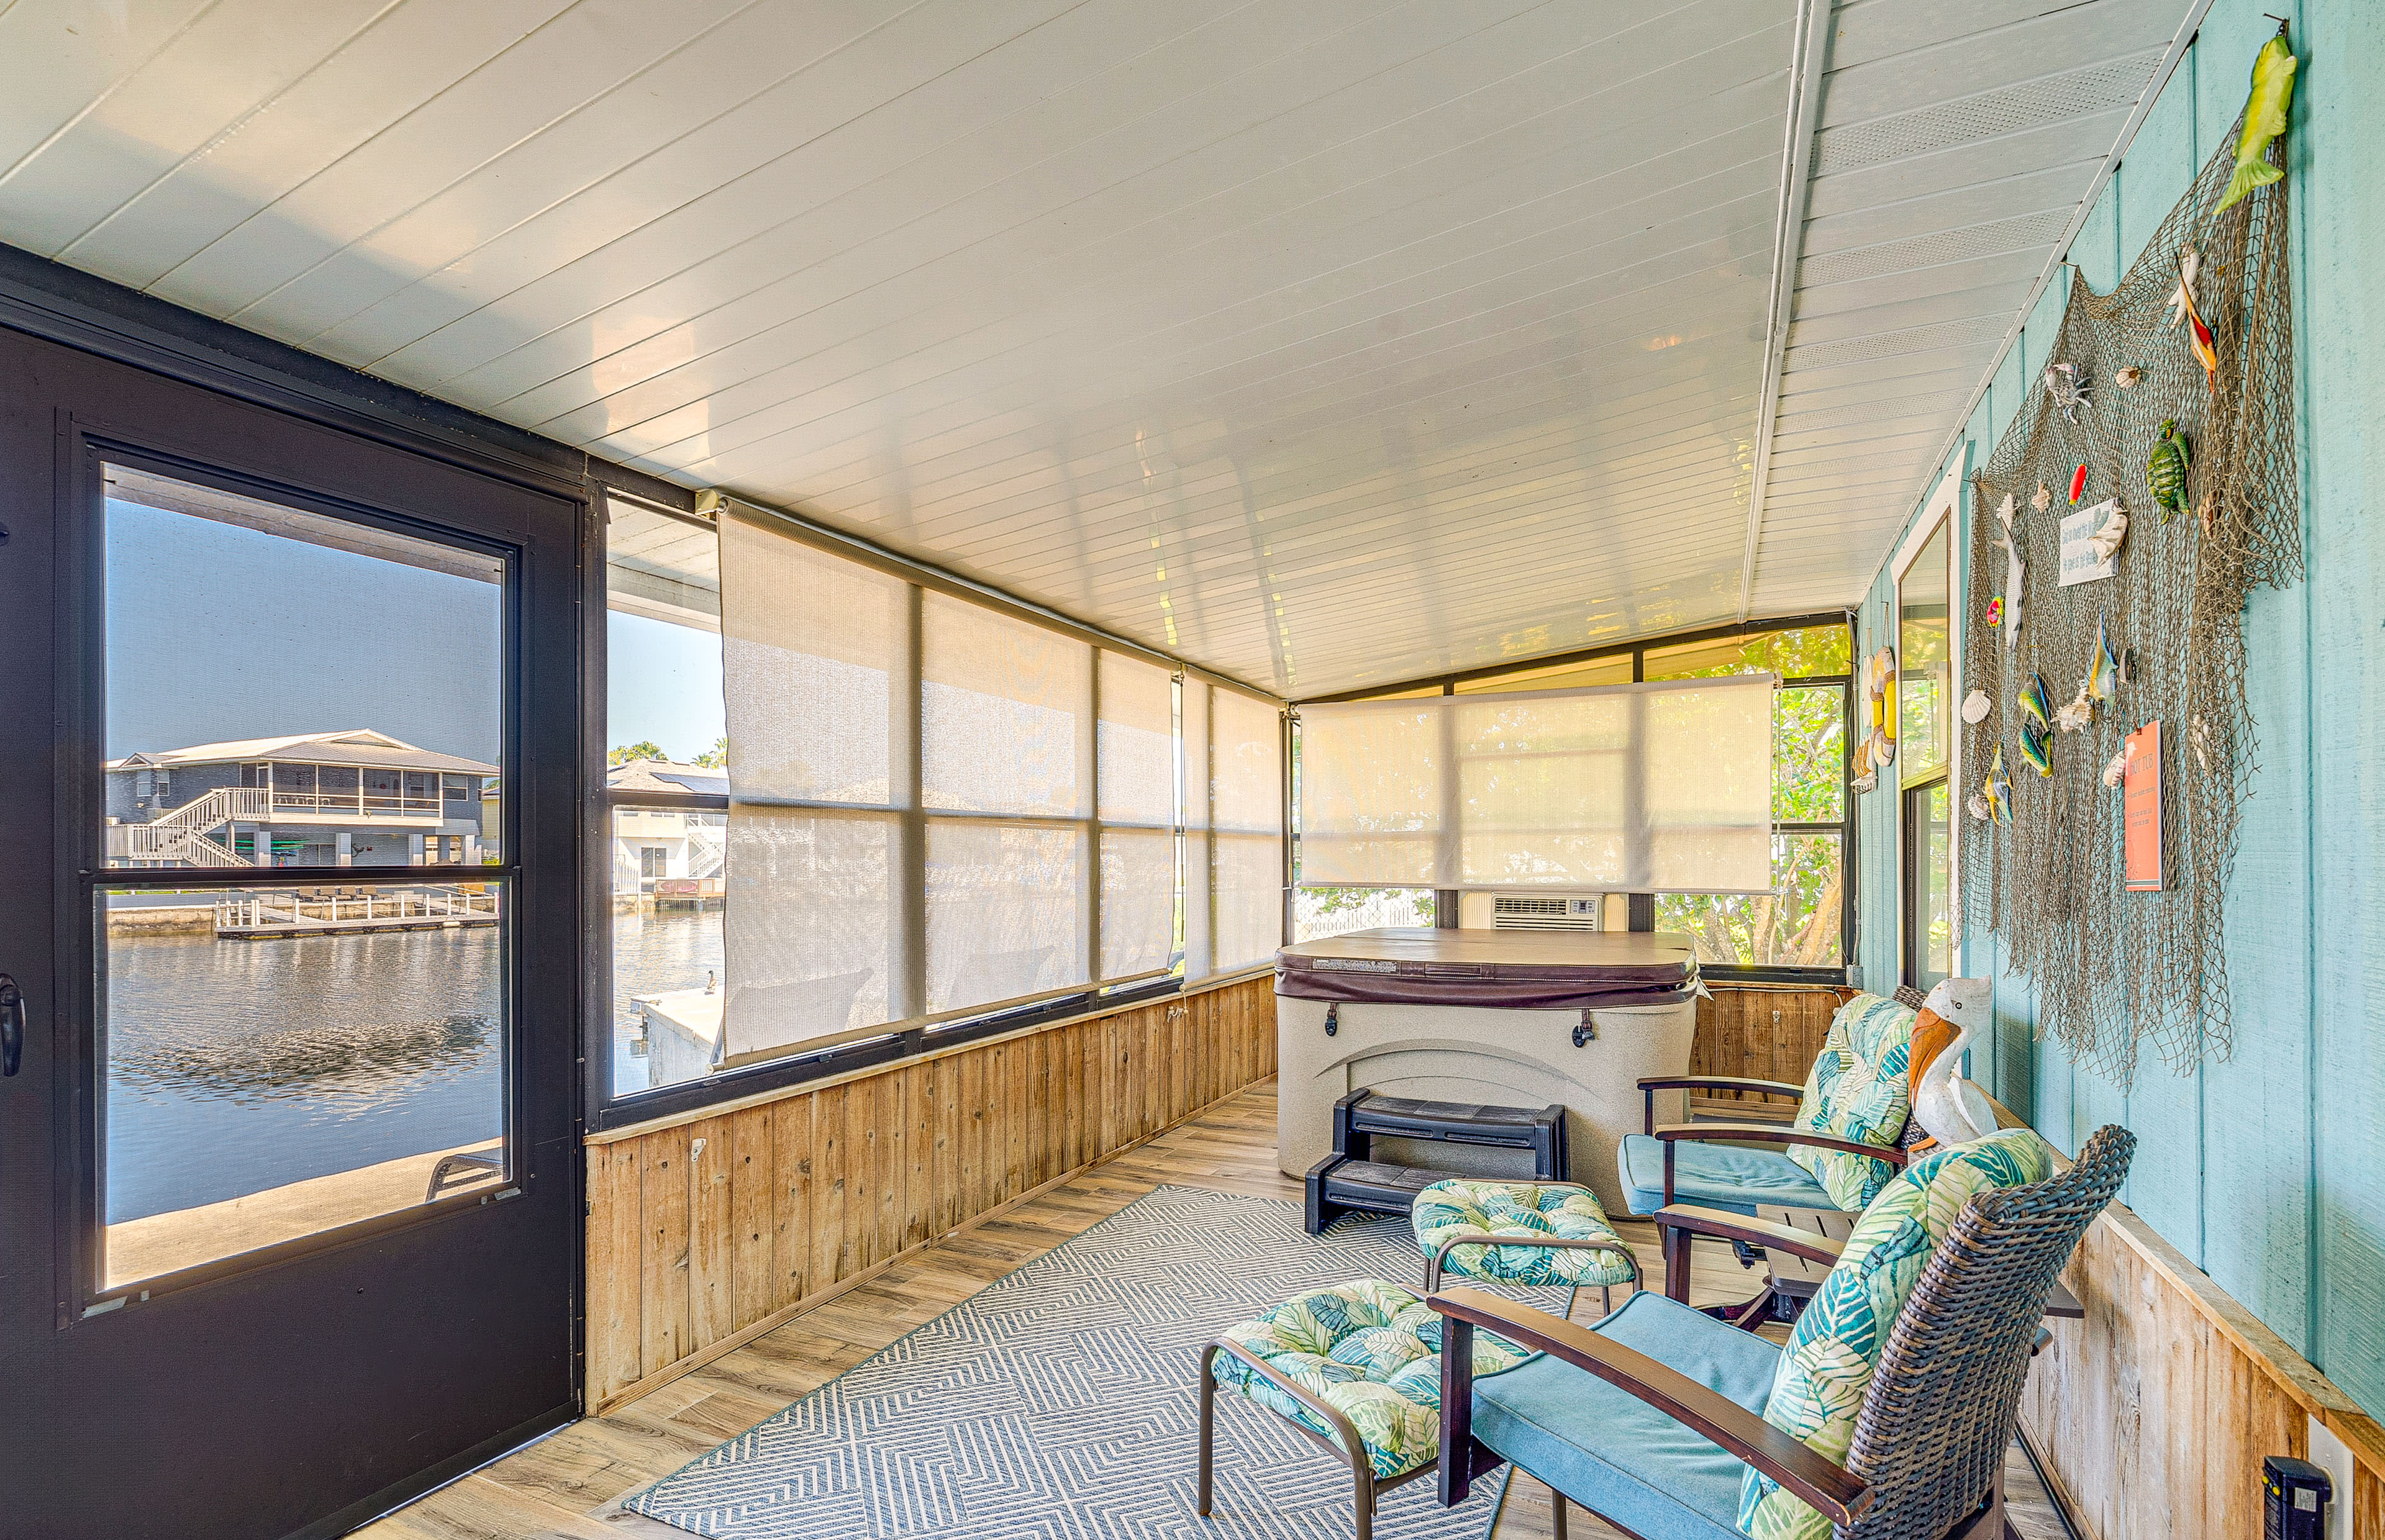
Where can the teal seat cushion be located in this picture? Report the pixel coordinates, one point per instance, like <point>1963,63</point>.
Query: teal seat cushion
<point>1615,1453</point>
<point>1732,1177</point>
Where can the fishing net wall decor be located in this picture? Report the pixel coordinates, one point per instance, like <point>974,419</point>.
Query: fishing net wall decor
<point>2119,972</point>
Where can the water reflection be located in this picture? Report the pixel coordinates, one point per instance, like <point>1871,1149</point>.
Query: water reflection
<point>656,953</point>
<point>237,1066</point>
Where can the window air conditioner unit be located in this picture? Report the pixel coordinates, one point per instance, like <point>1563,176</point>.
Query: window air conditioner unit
<point>1508,913</point>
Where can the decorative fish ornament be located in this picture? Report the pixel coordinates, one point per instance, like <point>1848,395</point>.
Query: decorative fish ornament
<point>2265,118</point>
<point>2165,470</point>
<point>2035,704</point>
<point>2104,669</point>
<point>2010,613</point>
<point>2184,309</point>
<point>2067,386</point>
<point>2034,748</point>
<point>1996,791</point>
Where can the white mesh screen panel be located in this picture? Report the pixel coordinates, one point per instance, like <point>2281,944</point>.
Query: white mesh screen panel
<point>1138,900</point>
<point>1137,793</point>
<point>1246,820</point>
<point>1198,950</point>
<point>1138,744</point>
<point>1002,707</point>
<point>1005,911</point>
<point>811,647</point>
<point>1632,789</point>
<point>810,942</point>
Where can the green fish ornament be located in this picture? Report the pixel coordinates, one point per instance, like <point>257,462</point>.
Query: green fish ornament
<point>2035,704</point>
<point>2102,679</point>
<point>2166,470</point>
<point>2034,749</point>
<point>2265,118</point>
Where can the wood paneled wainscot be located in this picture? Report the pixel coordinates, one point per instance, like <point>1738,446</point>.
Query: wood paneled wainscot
<point>2150,1416</point>
<point>706,1231</point>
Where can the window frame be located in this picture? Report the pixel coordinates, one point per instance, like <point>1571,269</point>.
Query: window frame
<point>1845,826</point>
<point>1939,516</point>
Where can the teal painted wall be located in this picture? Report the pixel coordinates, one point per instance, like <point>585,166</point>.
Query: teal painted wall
<point>2267,1165</point>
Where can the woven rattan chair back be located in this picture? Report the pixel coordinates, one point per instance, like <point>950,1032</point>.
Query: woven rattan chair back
<point>1940,1411</point>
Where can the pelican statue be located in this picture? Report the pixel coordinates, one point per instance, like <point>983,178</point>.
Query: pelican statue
<point>1951,1109</point>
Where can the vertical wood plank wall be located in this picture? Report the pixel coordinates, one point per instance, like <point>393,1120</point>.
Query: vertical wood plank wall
<point>702,1232</point>
<point>2152,1415</point>
<point>1764,1032</point>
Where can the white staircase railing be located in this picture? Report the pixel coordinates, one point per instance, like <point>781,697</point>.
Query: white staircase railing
<point>183,834</point>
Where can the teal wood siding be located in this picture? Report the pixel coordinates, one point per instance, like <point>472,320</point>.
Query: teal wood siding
<point>2263,1164</point>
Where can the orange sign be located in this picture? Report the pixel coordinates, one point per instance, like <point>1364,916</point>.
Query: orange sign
<point>2141,809</point>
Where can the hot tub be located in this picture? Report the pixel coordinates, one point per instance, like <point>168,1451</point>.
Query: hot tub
<point>1508,1017</point>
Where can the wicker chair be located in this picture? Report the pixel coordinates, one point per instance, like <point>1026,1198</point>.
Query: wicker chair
<point>1930,1442</point>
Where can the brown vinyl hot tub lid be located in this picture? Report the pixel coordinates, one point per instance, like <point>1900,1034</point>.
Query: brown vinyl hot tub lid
<point>1517,970</point>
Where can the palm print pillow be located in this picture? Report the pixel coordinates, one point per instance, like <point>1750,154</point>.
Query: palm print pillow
<point>1827,1368</point>
<point>1857,1089</point>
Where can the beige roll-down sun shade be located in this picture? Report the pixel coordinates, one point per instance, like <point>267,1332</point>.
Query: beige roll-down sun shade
<point>939,806</point>
<point>1633,788</point>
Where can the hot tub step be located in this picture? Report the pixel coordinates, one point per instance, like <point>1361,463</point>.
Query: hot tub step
<point>1351,1179</point>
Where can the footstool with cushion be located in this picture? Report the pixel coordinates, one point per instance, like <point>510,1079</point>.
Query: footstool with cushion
<point>1356,1368</point>
<point>1537,1234</point>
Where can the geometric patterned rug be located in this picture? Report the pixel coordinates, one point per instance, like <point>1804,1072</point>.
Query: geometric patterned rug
<point>1063,1402</point>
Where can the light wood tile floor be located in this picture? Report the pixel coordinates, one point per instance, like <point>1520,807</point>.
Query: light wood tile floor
<point>566,1485</point>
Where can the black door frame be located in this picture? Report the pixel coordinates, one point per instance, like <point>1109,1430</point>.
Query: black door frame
<point>110,389</point>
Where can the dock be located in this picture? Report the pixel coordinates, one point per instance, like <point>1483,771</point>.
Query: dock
<point>257,915</point>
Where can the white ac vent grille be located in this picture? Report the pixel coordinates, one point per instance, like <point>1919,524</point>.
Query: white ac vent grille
<point>1510,914</point>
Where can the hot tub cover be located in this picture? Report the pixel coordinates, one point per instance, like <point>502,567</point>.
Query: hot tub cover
<point>1517,970</point>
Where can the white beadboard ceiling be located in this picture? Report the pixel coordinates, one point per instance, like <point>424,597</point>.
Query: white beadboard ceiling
<point>1323,342</point>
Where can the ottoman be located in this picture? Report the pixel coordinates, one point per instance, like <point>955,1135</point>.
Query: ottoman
<point>1532,1232</point>
<point>1356,1368</point>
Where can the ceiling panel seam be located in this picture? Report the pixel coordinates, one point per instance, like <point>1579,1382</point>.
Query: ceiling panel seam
<point>1796,166</point>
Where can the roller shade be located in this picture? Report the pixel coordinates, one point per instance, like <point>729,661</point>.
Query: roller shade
<point>1633,788</point>
<point>938,807</point>
<point>1246,830</point>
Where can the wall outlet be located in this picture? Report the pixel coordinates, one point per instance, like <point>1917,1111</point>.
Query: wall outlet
<point>2329,1454</point>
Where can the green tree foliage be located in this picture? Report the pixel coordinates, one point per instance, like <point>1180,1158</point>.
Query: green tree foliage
<point>714,757</point>
<point>1796,925</point>
<point>644,749</point>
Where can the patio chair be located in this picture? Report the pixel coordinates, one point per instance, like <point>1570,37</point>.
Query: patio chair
<point>1849,1134</point>
<point>1654,1418</point>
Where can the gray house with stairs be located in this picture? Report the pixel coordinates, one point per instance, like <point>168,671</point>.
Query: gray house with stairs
<point>357,797</point>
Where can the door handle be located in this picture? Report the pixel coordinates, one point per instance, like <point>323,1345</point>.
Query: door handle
<point>12,1025</point>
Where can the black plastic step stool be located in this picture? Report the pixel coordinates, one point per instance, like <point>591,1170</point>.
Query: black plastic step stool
<point>1351,1179</point>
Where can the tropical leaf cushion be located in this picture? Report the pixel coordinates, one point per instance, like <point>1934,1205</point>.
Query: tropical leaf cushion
<point>1857,1089</point>
<point>1825,1371</point>
<point>1447,1208</point>
<point>1370,1349</point>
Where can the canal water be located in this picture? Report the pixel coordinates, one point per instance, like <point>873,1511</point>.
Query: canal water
<point>236,1066</point>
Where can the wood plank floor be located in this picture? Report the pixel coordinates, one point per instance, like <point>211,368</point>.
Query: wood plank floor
<point>567,1486</point>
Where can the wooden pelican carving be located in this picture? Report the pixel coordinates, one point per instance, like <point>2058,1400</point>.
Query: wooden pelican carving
<point>1951,1110</point>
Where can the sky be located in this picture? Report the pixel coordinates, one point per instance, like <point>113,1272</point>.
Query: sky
<point>663,686</point>
<point>218,632</point>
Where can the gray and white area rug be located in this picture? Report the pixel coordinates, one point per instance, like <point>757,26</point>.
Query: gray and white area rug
<point>1063,1402</point>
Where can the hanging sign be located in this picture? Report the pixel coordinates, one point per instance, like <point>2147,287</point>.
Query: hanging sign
<point>2083,560</point>
<point>2141,809</point>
